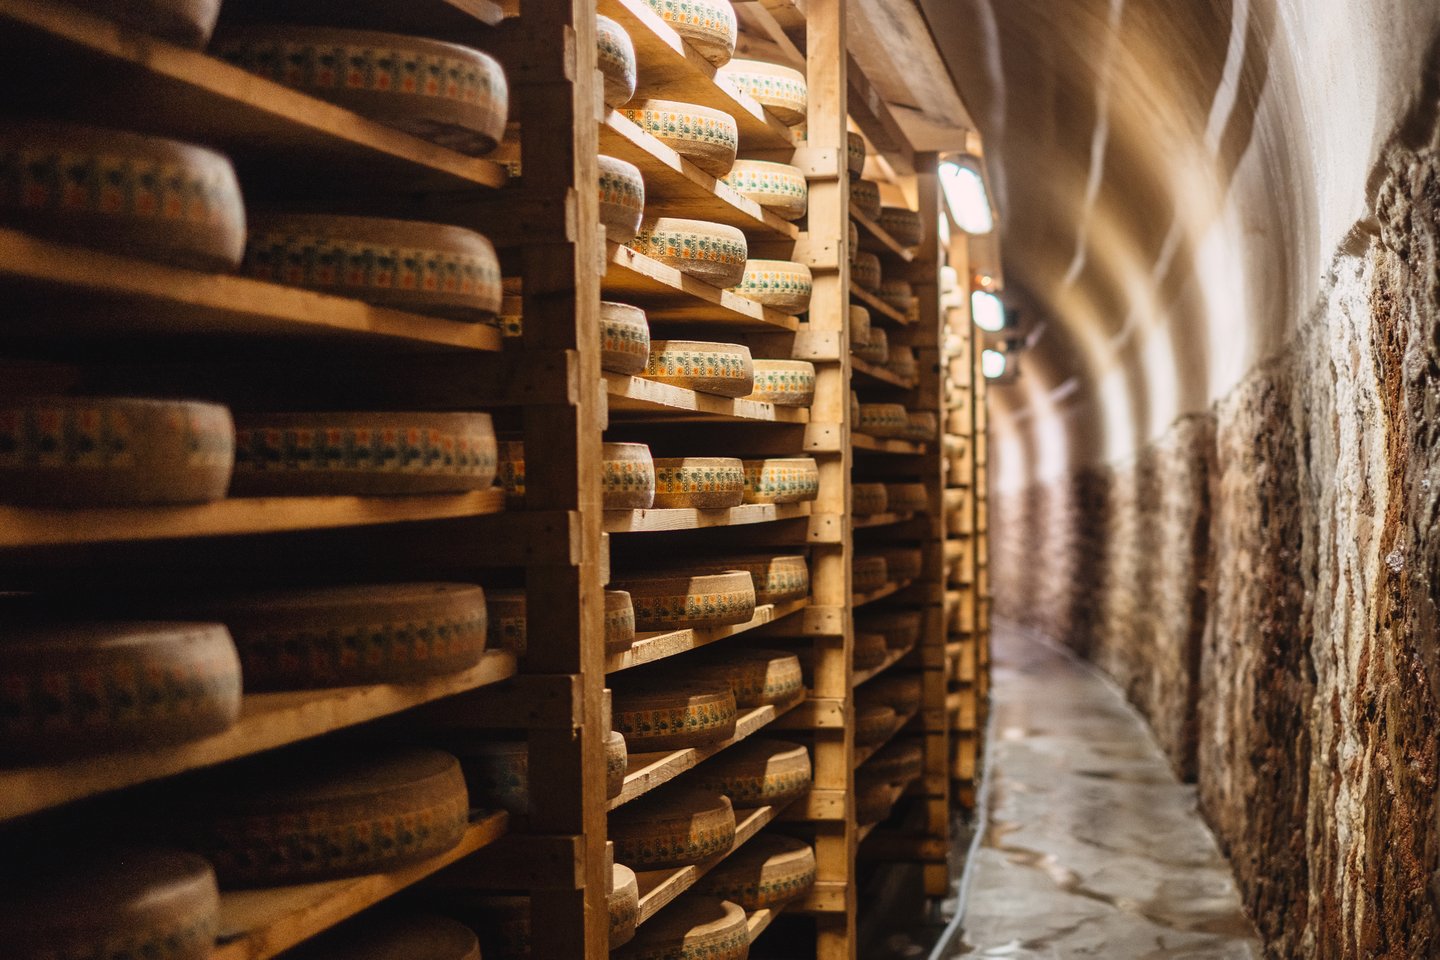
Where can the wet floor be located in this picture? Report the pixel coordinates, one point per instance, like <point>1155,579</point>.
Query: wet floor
<point>1091,847</point>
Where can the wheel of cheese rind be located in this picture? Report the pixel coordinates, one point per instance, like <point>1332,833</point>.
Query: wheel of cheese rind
<point>854,409</point>
<point>779,284</point>
<point>624,338</point>
<point>429,268</point>
<point>785,383</point>
<point>886,420</point>
<point>907,496</point>
<point>441,92</point>
<point>711,252</point>
<point>615,56</point>
<point>657,715</point>
<point>852,241</point>
<point>627,476</point>
<point>903,224</point>
<point>865,271</point>
<point>768,872</point>
<point>777,578</point>
<point>854,154</point>
<point>619,620</point>
<point>898,294</point>
<point>859,327</point>
<point>899,762</point>
<point>779,89</point>
<point>870,650</point>
<point>903,563</point>
<point>900,627</point>
<point>623,902</point>
<point>781,480</point>
<point>868,499</point>
<point>395,937</point>
<point>924,425</point>
<point>139,196</point>
<point>324,814</point>
<point>867,573</point>
<point>724,369</point>
<point>706,137</point>
<point>81,688</point>
<point>497,772</point>
<point>622,198</point>
<point>108,451</point>
<point>125,903</point>
<point>673,601</point>
<point>902,363</point>
<point>756,677</point>
<point>672,827</point>
<point>363,454</point>
<point>695,927</point>
<point>876,349</point>
<point>865,198</point>
<point>617,763</point>
<point>757,773</point>
<point>873,723</point>
<point>707,25</point>
<point>901,692</point>
<point>778,187</point>
<point>702,483</point>
<point>874,799</point>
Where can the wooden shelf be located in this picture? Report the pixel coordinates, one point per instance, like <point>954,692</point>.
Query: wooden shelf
<point>865,831</point>
<point>894,587</point>
<point>634,398</point>
<point>60,291</point>
<point>439,18</point>
<point>881,520</point>
<point>259,924</point>
<point>267,721</point>
<point>688,518</point>
<point>183,93</point>
<point>878,307</point>
<point>648,648</point>
<point>669,295</point>
<point>870,371</point>
<point>891,658</point>
<point>869,444</point>
<point>672,70</point>
<point>758,921</point>
<point>865,753</point>
<point>676,187</point>
<point>880,239</point>
<point>650,770</point>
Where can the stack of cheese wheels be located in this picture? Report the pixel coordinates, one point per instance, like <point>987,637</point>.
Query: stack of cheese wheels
<point>394,937</point>
<point>898,294</point>
<point>900,692</point>
<point>615,56</point>
<point>865,271</point>
<point>904,225</point>
<point>781,90</point>
<point>707,138</point>
<point>903,563</point>
<point>86,688</point>
<point>430,268</point>
<point>876,348</point>
<point>108,452</point>
<point>508,628</point>
<point>865,198</point>
<point>779,284</point>
<point>906,497</point>
<point>781,480</point>
<point>924,425</point>
<point>622,198</point>
<point>674,601</point>
<point>902,363</point>
<point>624,338</point>
<point>777,578</point>
<point>699,483</point>
<point>346,636</point>
<point>785,383</point>
<point>313,815</point>
<point>140,196</point>
<point>868,572</point>
<point>617,763</point>
<point>442,92</point>
<point>712,252</point>
<point>758,773</point>
<point>724,369</point>
<point>627,474</point>
<point>655,714</point>
<point>870,650</point>
<point>673,826</point>
<point>695,927</point>
<point>497,772</point>
<point>874,799</point>
<point>859,326</point>
<point>623,903</point>
<point>363,454</point>
<point>758,678</point>
<point>854,154</point>
<point>778,187</point>
<point>899,762</point>
<point>768,872</point>
<point>900,627</point>
<point>868,499</point>
<point>874,723</point>
<point>138,903</point>
<point>884,420</point>
<point>707,25</point>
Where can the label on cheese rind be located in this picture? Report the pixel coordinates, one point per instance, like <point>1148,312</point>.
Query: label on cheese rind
<point>624,338</point>
<point>884,420</point>
<point>694,927</point>
<point>778,187</point>
<point>876,348</point>
<point>627,475</point>
<point>768,872</point>
<point>707,138</point>
<point>865,198</point>
<point>782,480</point>
<point>622,198</point>
<point>669,602</point>
<point>779,89</point>
<point>724,369</point>
<point>854,155</point>
<point>756,677</point>
<point>868,499</point>
<point>778,284</point>
<point>703,483</point>
<point>777,579</point>
<point>905,225</point>
<point>711,252</point>
<point>868,573</point>
<point>707,25</point>
<point>658,715</point>
<point>615,56</point>
<point>785,383</point>
<point>672,827</point>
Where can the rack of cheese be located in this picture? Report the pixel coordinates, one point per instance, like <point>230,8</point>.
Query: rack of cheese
<point>405,543</point>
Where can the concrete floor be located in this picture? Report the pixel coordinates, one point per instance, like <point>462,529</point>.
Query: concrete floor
<point>1091,847</point>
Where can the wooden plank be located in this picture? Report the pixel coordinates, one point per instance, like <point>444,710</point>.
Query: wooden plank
<point>882,520</point>
<point>635,397</point>
<point>891,658</point>
<point>758,921</point>
<point>648,648</point>
<point>879,593</point>
<point>817,713</point>
<point>877,238</point>
<point>871,372</point>
<point>818,804</point>
<point>825,897</point>
<point>688,518</point>
<point>669,295</point>
<point>877,307</point>
<point>869,444</point>
<point>865,753</point>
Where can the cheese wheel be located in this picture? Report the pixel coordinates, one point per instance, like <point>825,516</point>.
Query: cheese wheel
<point>859,326</point>
<point>865,198</point>
<point>898,294</point>
<point>104,452</point>
<point>923,427</point>
<point>508,622</point>
<point>785,383</point>
<point>868,573</point>
<point>624,338</point>
<point>903,224</point>
<point>887,420</point>
<point>615,56</point>
<point>672,601</point>
<point>901,692</point>
<point>766,873</point>
<point>323,814</point>
<point>502,923</point>
<point>779,284</point>
<point>693,928</point>
<point>627,475</point>
<point>655,715</point>
<point>873,723</point>
<point>902,363</point>
<point>876,349</point>
<point>854,409</point>
<point>778,187</point>
<point>854,154</point>
<point>617,763</point>
<point>706,137</point>
<point>707,25</point>
<point>724,369</point>
<point>897,763</point>
<point>757,773</point>
<point>622,198</point>
<point>870,650</point>
<point>779,89</point>
<point>714,253</point>
<point>756,677</point>
<point>852,241</point>
<point>874,800</point>
<point>129,903</point>
<point>623,903</point>
<point>363,454</point>
<point>865,271</point>
<point>903,563</point>
<point>441,92</point>
<point>672,827</point>
<point>139,196</point>
<point>781,480</point>
<point>619,621</point>
<point>777,579</point>
<point>868,499</point>
<point>703,483</point>
<point>900,627</point>
<point>429,268</point>
<point>347,636</point>
<point>402,937</point>
<point>907,496</point>
<point>497,772</point>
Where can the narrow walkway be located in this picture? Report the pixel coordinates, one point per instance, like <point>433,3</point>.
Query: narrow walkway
<point>1092,848</point>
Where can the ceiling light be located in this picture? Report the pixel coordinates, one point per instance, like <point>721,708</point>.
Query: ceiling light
<point>988,311</point>
<point>992,364</point>
<point>966,196</point>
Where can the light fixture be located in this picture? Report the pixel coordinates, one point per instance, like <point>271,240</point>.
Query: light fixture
<point>966,196</point>
<point>992,364</point>
<point>988,311</point>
